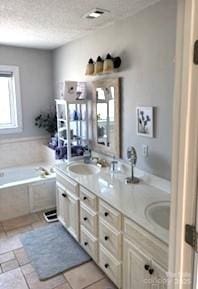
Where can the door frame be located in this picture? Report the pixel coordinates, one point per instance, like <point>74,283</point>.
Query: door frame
<point>185,147</point>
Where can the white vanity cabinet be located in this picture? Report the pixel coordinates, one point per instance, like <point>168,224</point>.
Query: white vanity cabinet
<point>145,259</point>
<point>129,255</point>
<point>135,275</point>
<point>110,242</point>
<point>68,205</point>
<point>89,222</point>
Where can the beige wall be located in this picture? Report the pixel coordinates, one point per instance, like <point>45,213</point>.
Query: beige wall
<point>146,44</point>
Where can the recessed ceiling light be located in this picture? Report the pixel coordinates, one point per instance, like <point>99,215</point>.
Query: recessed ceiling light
<point>95,13</point>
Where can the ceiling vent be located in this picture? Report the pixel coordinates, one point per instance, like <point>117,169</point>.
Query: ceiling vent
<point>95,13</point>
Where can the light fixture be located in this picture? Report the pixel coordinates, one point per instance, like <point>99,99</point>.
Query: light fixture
<point>108,64</point>
<point>90,67</point>
<point>98,66</point>
<point>95,13</point>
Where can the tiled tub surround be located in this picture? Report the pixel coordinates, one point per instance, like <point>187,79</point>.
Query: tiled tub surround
<point>107,217</point>
<point>24,151</point>
<point>23,191</point>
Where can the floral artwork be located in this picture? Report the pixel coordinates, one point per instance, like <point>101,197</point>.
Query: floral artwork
<point>144,121</point>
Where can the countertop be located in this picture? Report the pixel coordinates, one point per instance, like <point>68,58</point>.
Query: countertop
<point>130,199</point>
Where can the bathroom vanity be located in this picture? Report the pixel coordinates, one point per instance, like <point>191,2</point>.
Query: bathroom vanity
<point>110,219</point>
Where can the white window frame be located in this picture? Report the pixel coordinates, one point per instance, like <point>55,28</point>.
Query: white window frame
<point>16,109</point>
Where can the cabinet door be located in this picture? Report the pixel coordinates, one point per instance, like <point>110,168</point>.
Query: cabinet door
<point>134,273</point>
<point>68,210</point>
<point>62,205</point>
<point>73,216</point>
<point>159,277</point>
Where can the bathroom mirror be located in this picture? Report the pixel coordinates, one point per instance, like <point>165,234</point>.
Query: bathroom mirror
<point>106,116</point>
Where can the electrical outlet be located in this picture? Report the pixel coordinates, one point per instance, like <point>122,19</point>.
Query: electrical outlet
<point>145,150</point>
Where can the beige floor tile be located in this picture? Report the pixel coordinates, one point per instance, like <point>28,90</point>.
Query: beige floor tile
<point>1,228</point>
<point>27,269</point>
<point>20,222</point>
<point>18,231</point>
<point>21,256</point>
<point>3,235</point>
<point>7,257</point>
<point>10,244</point>
<point>39,224</point>
<point>34,282</point>
<point>63,286</point>
<point>9,265</point>
<point>40,215</point>
<point>84,275</point>
<point>13,280</point>
<point>103,284</point>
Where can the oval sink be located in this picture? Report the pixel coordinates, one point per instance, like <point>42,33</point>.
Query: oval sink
<point>83,169</point>
<point>159,214</point>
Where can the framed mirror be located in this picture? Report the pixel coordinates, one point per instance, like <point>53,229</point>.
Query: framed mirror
<point>106,116</point>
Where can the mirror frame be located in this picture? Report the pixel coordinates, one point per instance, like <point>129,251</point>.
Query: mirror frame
<point>108,82</point>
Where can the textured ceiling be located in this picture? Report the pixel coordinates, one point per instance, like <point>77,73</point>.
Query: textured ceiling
<point>49,24</point>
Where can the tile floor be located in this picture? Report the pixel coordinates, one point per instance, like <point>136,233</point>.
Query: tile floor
<point>16,271</point>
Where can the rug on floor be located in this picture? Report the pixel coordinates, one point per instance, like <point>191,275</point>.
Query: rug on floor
<point>52,250</point>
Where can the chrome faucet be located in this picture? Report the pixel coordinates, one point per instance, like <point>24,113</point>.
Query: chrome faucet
<point>114,165</point>
<point>87,155</point>
<point>132,158</point>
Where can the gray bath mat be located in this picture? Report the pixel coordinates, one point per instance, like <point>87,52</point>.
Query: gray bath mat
<point>52,250</point>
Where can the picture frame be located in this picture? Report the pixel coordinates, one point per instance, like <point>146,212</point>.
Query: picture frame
<point>144,121</point>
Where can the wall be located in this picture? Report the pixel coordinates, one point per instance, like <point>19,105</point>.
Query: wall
<point>36,75</point>
<point>146,44</point>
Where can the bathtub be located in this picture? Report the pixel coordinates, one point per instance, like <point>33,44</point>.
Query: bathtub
<point>25,190</point>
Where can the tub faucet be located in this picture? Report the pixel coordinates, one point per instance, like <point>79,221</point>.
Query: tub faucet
<point>132,158</point>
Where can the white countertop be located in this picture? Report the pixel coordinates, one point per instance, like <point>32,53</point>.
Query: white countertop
<point>130,199</point>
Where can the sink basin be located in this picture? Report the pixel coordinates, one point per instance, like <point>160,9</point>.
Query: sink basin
<point>159,214</point>
<point>83,169</point>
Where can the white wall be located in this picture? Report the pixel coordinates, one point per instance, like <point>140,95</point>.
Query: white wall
<point>36,77</point>
<point>146,44</point>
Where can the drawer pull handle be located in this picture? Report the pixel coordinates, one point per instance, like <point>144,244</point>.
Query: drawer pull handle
<point>85,198</point>
<point>106,266</point>
<point>85,243</point>
<point>64,195</point>
<point>106,238</point>
<point>85,219</point>
<point>146,267</point>
<point>106,214</point>
<point>151,271</point>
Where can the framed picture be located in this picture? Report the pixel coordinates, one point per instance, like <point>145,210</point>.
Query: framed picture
<point>144,121</point>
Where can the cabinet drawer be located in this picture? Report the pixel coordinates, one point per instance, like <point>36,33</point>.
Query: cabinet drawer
<point>88,218</point>
<point>110,215</point>
<point>110,266</point>
<point>68,183</point>
<point>146,242</point>
<point>110,238</point>
<point>88,199</point>
<point>89,243</point>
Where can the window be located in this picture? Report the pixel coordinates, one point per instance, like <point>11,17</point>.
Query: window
<point>10,100</point>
